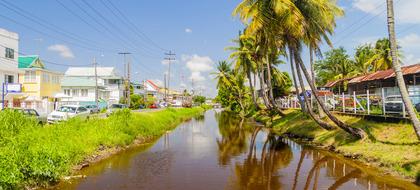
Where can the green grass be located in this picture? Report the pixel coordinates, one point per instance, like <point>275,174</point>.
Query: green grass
<point>391,145</point>
<point>34,155</point>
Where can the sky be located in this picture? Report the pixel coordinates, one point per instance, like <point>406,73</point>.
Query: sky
<point>74,32</point>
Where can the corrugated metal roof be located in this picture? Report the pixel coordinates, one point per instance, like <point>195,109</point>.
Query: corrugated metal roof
<point>380,75</point>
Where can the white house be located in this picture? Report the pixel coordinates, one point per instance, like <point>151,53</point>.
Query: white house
<point>79,85</point>
<point>9,47</point>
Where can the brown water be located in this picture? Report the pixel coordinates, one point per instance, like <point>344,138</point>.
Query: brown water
<point>218,151</point>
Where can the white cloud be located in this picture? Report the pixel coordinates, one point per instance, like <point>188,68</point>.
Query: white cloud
<point>188,30</point>
<point>63,50</point>
<point>410,59</point>
<point>199,67</point>
<point>406,11</point>
<point>369,6</point>
<point>196,63</point>
<point>197,77</point>
<point>410,41</point>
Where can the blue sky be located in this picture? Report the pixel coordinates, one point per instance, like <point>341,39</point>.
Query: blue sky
<point>198,32</point>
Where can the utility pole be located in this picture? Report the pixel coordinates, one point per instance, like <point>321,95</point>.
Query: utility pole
<point>95,65</point>
<point>192,86</point>
<point>169,58</point>
<point>164,86</point>
<point>127,77</point>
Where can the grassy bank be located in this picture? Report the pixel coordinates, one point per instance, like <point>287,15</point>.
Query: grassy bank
<point>392,146</point>
<point>34,155</point>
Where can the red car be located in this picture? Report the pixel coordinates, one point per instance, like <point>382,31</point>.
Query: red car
<point>153,106</point>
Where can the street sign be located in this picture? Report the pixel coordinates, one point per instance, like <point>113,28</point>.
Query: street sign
<point>13,87</point>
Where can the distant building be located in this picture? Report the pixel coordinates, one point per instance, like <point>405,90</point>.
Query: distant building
<point>79,84</point>
<point>39,85</point>
<point>9,84</point>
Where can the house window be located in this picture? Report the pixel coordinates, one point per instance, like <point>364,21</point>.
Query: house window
<point>67,92</point>
<point>84,92</point>
<point>30,76</point>
<point>9,79</point>
<point>75,92</point>
<point>10,53</point>
<point>45,77</point>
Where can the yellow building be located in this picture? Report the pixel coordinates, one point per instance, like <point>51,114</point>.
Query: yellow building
<point>38,84</point>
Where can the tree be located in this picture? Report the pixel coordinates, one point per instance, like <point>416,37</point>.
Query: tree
<point>336,65</point>
<point>397,69</point>
<point>242,54</point>
<point>136,101</point>
<point>363,54</point>
<point>199,99</point>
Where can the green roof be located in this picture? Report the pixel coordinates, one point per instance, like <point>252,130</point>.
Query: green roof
<point>78,81</point>
<point>32,61</point>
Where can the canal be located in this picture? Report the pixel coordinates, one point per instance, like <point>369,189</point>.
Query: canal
<point>219,151</point>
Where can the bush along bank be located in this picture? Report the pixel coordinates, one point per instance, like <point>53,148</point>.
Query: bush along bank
<point>389,146</point>
<point>34,155</point>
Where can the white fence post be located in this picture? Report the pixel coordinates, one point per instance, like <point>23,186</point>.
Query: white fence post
<point>383,100</point>
<point>368,102</point>
<point>325,101</point>
<point>344,104</point>
<point>354,102</point>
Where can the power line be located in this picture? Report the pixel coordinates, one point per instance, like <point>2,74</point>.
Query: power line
<point>360,27</point>
<point>48,35</point>
<point>45,61</point>
<point>137,30</point>
<point>115,27</point>
<point>42,22</point>
<point>364,16</point>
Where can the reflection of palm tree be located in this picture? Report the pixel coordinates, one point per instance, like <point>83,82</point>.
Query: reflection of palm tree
<point>234,141</point>
<point>261,173</point>
<point>313,169</point>
<point>353,174</point>
<point>302,156</point>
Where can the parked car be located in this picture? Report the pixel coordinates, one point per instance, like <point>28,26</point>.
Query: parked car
<point>153,106</point>
<point>68,111</point>
<point>177,103</point>
<point>114,107</point>
<point>31,113</point>
<point>393,104</point>
<point>93,109</point>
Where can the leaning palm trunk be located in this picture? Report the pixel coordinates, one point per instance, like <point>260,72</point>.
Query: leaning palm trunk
<point>315,117</point>
<point>291,54</point>
<point>270,90</point>
<point>263,91</point>
<point>311,59</point>
<point>356,132</point>
<point>397,69</point>
<point>254,100</point>
<point>270,87</point>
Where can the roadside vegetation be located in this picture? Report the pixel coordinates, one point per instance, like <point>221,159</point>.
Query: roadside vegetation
<point>35,155</point>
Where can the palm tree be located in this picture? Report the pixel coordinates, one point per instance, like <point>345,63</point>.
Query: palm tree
<point>381,58</point>
<point>242,54</point>
<point>397,69</point>
<point>363,54</point>
<point>290,22</point>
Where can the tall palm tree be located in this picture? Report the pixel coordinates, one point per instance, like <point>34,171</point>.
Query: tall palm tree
<point>243,60</point>
<point>381,58</point>
<point>397,69</point>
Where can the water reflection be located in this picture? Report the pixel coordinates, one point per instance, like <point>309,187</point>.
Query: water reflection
<point>221,151</point>
<point>266,161</point>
